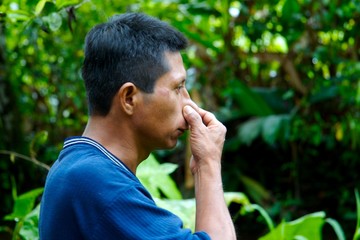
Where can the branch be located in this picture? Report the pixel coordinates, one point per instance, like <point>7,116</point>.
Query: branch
<point>26,158</point>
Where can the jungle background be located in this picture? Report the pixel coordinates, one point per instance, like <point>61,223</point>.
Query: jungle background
<point>283,76</point>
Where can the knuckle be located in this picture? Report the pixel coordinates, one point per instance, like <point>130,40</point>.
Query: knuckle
<point>224,129</point>
<point>212,115</point>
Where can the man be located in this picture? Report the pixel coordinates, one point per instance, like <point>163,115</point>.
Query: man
<point>135,82</point>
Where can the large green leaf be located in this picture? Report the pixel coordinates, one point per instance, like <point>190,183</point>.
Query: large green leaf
<point>250,130</point>
<point>24,204</point>
<point>155,177</point>
<point>272,128</point>
<point>186,208</point>
<point>29,229</point>
<point>250,103</point>
<point>277,99</point>
<point>307,227</point>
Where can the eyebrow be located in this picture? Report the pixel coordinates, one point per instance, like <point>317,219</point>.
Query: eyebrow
<point>182,81</point>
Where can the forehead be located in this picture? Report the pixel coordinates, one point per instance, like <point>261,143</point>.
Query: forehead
<point>176,70</point>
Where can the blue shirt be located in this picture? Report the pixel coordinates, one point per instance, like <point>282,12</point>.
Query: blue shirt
<point>90,194</point>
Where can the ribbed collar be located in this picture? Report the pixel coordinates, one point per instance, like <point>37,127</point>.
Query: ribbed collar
<point>84,140</point>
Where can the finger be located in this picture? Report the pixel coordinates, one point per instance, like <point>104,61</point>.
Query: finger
<point>193,105</point>
<point>191,116</point>
<point>208,118</point>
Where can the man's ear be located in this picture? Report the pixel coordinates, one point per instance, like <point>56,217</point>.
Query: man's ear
<point>128,97</point>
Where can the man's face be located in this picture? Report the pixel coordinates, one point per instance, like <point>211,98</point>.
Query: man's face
<point>159,121</point>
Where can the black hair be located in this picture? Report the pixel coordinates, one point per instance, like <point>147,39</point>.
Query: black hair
<point>128,48</point>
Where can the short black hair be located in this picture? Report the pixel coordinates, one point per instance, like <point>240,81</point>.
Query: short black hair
<point>130,47</point>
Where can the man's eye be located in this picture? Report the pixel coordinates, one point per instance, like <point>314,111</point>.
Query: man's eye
<point>180,87</point>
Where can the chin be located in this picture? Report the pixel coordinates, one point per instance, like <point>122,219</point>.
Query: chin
<point>169,145</point>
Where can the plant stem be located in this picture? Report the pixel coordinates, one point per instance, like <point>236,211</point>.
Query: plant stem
<point>26,158</point>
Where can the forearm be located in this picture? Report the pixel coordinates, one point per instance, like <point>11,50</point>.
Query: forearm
<point>212,214</point>
<point>207,140</point>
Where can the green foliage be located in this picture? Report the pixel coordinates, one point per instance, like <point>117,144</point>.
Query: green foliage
<point>249,208</point>
<point>357,231</point>
<point>29,229</point>
<point>25,215</point>
<point>24,204</point>
<point>271,128</point>
<point>336,227</point>
<point>283,76</point>
<point>254,189</point>
<point>306,227</point>
<point>155,177</point>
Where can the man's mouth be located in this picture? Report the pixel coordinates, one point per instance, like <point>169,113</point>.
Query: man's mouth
<point>181,131</point>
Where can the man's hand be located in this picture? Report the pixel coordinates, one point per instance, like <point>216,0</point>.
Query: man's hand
<point>207,136</point>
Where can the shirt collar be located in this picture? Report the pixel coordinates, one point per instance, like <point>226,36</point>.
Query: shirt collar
<point>84,140</point>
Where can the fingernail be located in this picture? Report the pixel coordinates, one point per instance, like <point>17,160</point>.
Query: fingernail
<point>188,109</point>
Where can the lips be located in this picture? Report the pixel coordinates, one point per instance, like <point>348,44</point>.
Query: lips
<point>181,132</point>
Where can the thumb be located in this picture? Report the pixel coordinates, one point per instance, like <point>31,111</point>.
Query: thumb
<point>191,116</point>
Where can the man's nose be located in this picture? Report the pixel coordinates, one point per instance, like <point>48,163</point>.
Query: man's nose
<point>186,99</point>
<point>188,102</point>
<point>191,103</point>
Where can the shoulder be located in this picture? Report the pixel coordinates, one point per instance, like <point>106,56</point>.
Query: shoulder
<point>84,170</point>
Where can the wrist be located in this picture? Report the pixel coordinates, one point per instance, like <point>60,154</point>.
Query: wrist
<point>208,169</point>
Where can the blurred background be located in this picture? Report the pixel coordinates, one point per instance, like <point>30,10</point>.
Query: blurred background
<point>283,76</point>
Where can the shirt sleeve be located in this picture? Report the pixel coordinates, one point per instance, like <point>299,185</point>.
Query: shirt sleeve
<point>134,215</point>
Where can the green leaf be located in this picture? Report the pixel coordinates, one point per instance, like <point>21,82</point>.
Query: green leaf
<point>38,141</point>
<point>255,189</point>
<point>236,197</point>
<point>325,94</point>
<point>18,15</point>
<point>290,8</point>
<point>66,3</point>
<point>155,177</point>
<point>40,6</point>
<point>24,204</point>
<point>357,231</point>
<point>337,228</point>
<point>250,130</point>
<point>306,227</point>
<point>263,213</point>
<point>185,209</point>
<point>201,8</point>
<point>29,229</point>
<point>251,103</point>
<point>271,127</point>
<point>54,21</point>
<point>277,99</point>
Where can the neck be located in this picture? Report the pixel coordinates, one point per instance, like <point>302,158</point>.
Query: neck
<point>116,138</point>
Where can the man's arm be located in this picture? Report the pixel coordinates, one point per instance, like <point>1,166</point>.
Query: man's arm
<point>207,136</point>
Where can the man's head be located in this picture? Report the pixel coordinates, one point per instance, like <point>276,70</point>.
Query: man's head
<point>129,48</point>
